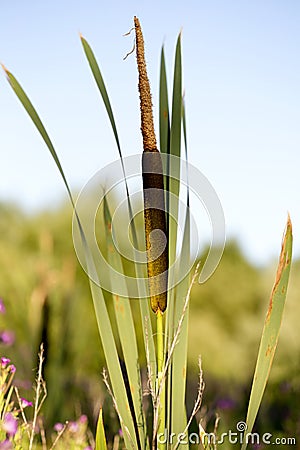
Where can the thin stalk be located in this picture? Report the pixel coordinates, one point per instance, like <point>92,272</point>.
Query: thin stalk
<point>40,396</point>
<point>160,342</point>
<point>160,369</point>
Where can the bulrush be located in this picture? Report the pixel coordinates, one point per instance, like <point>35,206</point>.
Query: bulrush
<point>153,188</point>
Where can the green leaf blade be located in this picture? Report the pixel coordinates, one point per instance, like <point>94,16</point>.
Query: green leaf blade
<point>175,137</point>
<point>101,86</point>
<point>31,111</point>
<point>126,328</point>
<point>164,116</point>
<point>271,329</point>
<point>110,349</point>
<point>172,194</point>
<point>144,308</point>
<point>179,362</point>
<point>102,316</point>
<point>100,434</point>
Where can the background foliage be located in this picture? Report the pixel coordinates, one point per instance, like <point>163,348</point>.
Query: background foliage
<point>47,298</point>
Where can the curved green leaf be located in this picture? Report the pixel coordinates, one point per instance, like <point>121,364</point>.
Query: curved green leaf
<point>179,361</point>
<point>103,321</point>
<point>271,330</point>
<point>17,88</point>
<point>126,328</point>
<point>101,86</point>
<point>144,307</point>
<point>100,434</point>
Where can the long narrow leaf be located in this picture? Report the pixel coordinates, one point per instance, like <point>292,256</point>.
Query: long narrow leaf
<point>174,180</point>
<point>164,116</point>
<point>110,352</point>
<point>175,148</point>
<point>174,165</point>
<point>37,122</point>
<point>100,434</point>
<point>179,362</point>
<point>101,86</point>
<point>173,201</point>
<point>164,123</point>
<point>126,328</point>
<point>102,317</point>
<point>271,330</point>
<point>175,137</point>
<point>164,138</point>
<point>144,307</point>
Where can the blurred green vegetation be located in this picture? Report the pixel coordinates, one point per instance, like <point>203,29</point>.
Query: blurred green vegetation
<point>46,294</point>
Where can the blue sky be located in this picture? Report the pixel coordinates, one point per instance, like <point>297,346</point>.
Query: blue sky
<point>241,79</point>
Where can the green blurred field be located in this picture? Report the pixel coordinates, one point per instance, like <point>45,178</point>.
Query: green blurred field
<point>47,298</point>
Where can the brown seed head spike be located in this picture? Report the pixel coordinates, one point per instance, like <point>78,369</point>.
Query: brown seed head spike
<point>153,187</point>
<point>149,139</point>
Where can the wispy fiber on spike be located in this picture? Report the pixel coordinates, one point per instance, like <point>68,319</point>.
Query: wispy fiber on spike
<point>153,187</point>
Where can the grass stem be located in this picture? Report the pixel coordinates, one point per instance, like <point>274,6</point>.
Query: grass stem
<point>160,373</point>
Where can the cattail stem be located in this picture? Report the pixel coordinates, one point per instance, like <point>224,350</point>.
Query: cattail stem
<point>155,221</point>
<point>160,371</point>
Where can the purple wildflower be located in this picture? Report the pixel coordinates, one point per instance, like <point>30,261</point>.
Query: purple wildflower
<point>10,424</point>
<point>2,307</point>
<point>12,368</point>
<point>73,427</point>
<point>25,403</point>
<point>82,419</point>
<point>4,361</point>
<point>226,403</point>
<point>6,445</point>
<point>58,427</point>
<point>7,337</point>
